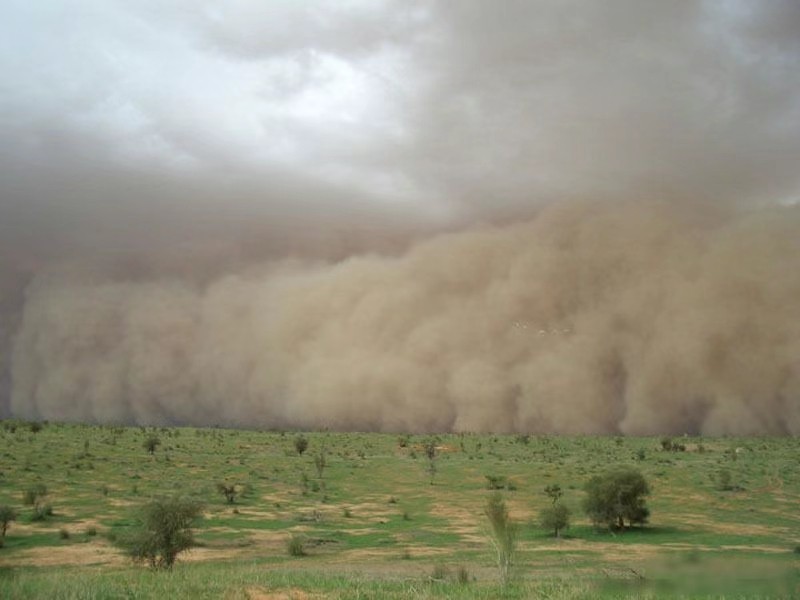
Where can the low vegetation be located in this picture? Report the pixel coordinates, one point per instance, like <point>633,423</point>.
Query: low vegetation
<point>563,517</point>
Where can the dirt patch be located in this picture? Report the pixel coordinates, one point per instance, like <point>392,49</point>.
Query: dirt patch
<point>734,528</point>
<point>95,552</point>
<point>255,593</point>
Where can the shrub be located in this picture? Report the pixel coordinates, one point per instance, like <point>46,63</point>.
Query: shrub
<point>164,531</point>
<point>228,490</point>
<point>554,492</point>
<point>617,496</point>
<point>496,482</point>
<point>7,514</point>
<point>320,462</point>
<point>34,494</point>
<point>462,575</point>
<point>430,453</point>
<point>300,444</point>
<point>63,534</point>
<point>91,531</point>
<point>503,534</point>
<point>440,572</point>
<point>554,518</point>
<point>295,546</point>
<point>41,511</point>
<point>151,443</point>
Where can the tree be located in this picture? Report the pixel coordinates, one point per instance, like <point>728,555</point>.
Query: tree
<point>503,534</point>
<point>300,444</point>
<point>164,531</point>
<point>554,518</point>
<point>617,496</point>
<point>151,443</point>
<point>7,514</point>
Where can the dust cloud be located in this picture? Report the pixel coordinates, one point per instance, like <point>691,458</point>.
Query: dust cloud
<point>629,317</point>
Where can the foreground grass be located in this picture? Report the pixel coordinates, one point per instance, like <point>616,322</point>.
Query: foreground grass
<point>376,527</point>
<point>255,580</point>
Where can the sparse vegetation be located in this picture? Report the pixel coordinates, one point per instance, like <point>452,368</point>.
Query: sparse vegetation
<point>378,485</point>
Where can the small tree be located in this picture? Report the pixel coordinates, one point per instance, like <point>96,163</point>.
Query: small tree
<point>300,444</point>
<point>7,514</point>
<point>164,531</point>
<point>151,443</point>
<point>617,496</point>
<point>503,534</point>
<point>554,518</point>
<point>430,453</point>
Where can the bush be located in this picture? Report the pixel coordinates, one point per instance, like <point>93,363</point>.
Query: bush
<point>151,443</point>
<point>34,494</point>
<point>228,490</point>
<point>295,546</point>
<point>7,514</point>
<point>617,496</point>
<point>503,534</point>
<point>63,534</point>
<point>164,531</point>
<point>41,511</point>
<point>300,444</point>
<point>496,482</point>
<point>554,518</point>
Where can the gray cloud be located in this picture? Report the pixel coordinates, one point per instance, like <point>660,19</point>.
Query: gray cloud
<point>153,153</point>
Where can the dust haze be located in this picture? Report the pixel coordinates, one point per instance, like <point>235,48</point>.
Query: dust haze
<point>587,319</point>
<point>402,215</point>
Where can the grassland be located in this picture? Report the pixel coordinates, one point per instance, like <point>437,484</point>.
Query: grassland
<point>375,527</point>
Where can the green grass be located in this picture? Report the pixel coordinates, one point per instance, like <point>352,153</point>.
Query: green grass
<point>360,544</point>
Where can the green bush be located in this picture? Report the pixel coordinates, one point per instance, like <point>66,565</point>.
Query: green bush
<point>164,530</point>
<point>554,518</point>
<point>616,497</point>
<point>300,444</point>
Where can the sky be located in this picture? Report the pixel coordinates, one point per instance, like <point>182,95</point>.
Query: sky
<point>188,140</point>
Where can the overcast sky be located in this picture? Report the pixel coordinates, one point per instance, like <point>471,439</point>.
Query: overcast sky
<point>123,121</point>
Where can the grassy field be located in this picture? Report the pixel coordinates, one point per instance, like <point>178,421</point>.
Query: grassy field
<point>374,526</point>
